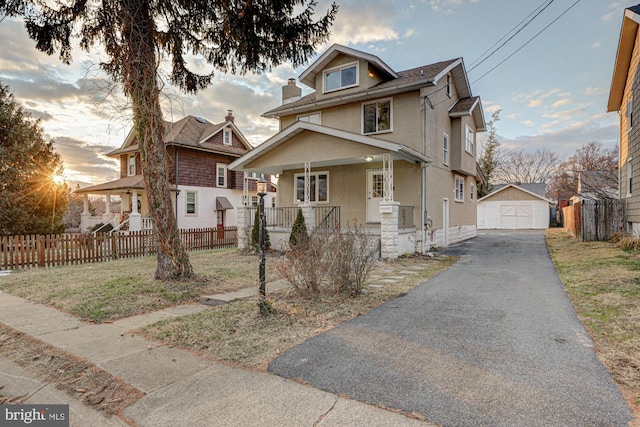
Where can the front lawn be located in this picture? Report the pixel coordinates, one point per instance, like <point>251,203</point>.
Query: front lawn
<point>603,283</point>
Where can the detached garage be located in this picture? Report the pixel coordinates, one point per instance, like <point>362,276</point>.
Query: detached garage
<point>514,207</point>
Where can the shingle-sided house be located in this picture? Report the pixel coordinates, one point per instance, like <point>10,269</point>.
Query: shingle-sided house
<point>625,84</point>
<point>394,151</point>
<point>205,193</point>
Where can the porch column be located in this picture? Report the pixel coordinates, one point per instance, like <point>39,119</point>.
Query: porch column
<point>108,215</point>
<point>135,219</point>
<point>309,214</point>
<point>387,173</point>
<point>85,215</point>
<point>243,229</point>
<point>389,229</point>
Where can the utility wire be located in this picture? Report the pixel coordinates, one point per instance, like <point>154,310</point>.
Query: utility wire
<point>528,41</point>
<point>512,36</point>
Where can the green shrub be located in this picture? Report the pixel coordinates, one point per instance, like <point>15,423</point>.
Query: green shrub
<point>299,232</point>
<point>255,233</point>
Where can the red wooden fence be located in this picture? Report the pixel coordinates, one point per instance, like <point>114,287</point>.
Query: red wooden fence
<point>64,249</point>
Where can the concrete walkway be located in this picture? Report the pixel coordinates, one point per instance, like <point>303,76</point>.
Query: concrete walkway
<point>492,341</point>
<point>181,388</point>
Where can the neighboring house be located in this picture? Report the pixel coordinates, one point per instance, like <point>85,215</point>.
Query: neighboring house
<point>205,193</point>
<point>394,151</point>
<point>597,185</point>
<point>624,85</point>
<point>514,207</point>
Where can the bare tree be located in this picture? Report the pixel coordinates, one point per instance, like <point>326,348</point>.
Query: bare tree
<point>521,167</point>
<point>592,172</point>
<point>236,36</point>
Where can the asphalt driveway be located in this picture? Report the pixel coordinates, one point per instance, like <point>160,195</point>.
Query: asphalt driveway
<point>492,341</point>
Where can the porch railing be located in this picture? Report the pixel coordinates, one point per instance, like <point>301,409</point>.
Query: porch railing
<point>327,217</point>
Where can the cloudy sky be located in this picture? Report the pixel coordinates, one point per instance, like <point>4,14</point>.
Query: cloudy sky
<point>551,84</point>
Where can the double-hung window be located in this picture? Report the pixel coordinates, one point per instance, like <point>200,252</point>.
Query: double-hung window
<point>227,137</point>
<point>459,189</point>
<point>445,149</point>
<point>191,201</point>
<point>318,187</point>
<point>449,85</point>
<point>221,175</point>
<point>629,177</point>
<point>629,113</point>
<point>469,140</point>
<point>131,166</point>
<point>377,116</point>
<point>341,77</point>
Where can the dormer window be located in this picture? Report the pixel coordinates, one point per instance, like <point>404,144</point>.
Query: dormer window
<point>341,77</point>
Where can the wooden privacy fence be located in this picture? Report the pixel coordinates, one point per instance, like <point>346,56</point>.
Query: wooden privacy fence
<point>65,249</point>
<point>592,220</point>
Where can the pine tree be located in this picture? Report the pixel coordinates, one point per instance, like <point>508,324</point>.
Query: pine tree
<point>299,232</point>
<point>138,36</point>
<point>31,202</point>
<point>490,158</point>
<point>255,233</point>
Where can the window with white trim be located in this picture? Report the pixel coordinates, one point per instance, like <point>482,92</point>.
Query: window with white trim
<point>459,189</point>
<point>227,137</point>
<point>472,193</point>
<point>629,113</point>
<point>377,116</point>
<point>310,118</point>
<point>221,175</point>
<point>340,77</point>
<point>469,140</point>
<point>318,187</point>
<point>191,202</point>
<point>445,149</point>
<point>449,85</point>
<point>131,167</point>
<point>629,177</point>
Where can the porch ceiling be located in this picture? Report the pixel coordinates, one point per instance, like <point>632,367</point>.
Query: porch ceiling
<point>323,147</point>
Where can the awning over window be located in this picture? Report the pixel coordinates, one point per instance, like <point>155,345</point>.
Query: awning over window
<point>222,204</point>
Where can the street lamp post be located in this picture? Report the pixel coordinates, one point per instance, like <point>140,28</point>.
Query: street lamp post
<point>262,297</point>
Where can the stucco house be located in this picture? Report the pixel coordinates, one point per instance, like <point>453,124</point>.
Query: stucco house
<point>515,207</point>
<point>624,86</point>
<point>394,151</point>
<point>205,192</point>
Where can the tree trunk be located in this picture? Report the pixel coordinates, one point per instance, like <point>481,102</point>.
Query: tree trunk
<point>140,71</point>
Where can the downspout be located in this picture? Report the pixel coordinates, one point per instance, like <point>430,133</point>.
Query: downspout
<point>423,177</point>
<point>177,188</point>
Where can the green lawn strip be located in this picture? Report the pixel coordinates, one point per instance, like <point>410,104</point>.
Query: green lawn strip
<point>236,333</point>
<point>603,283</point>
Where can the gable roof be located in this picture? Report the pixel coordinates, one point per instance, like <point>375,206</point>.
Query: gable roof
<point>534,189</point>
<point>628,31</point>
<point>192,132</point>
<point>398,150</point>
<point>403,81</point>
<point>470,107</point>
<point>308,77</point>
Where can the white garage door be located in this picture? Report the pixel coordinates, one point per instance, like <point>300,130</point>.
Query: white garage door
<point>515,216</point>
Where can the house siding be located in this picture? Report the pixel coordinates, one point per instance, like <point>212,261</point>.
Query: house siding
<point>630,140</point>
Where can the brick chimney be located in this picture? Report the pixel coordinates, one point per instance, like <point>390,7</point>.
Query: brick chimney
<point>229,117</point>
<point>291,92</point>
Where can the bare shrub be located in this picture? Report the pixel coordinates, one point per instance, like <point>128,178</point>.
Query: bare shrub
<point>629,244</point>
<point>329,262</point>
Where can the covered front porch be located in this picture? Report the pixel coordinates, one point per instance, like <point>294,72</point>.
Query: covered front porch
<point>340,179</point>
<point>133,213</point>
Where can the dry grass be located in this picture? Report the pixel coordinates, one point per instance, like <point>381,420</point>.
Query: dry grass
<point>603,282</point>
<point>236,333</point>
<point>115,289</point>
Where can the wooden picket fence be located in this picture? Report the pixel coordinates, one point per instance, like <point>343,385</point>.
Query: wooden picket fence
<point>67,249</point>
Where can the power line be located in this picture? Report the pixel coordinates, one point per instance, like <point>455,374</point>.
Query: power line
<point>528,41</point>
<point>548,3</point>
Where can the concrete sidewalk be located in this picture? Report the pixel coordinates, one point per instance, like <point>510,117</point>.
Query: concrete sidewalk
<point>181,388</point>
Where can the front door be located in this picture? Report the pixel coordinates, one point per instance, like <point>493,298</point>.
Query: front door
<point>220,223</point>
<point>375,190</point>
